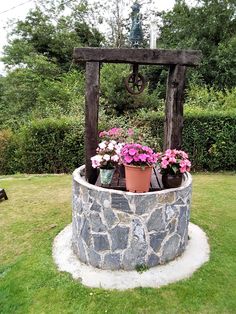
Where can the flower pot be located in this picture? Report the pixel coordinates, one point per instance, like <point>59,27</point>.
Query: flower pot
<point>138,178</point>
<point>172,181</point>
<point>106,175</point>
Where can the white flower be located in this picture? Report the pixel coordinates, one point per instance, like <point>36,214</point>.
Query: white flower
<point>102,145</point>
<point>110,146</point>
<point>96,160</point>
<point>106,157</point>
<point>115,158</point>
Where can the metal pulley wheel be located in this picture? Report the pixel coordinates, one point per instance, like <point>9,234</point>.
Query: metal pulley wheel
<point>135,82</point>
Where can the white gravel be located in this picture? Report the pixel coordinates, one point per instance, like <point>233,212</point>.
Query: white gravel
<point>196,254</point>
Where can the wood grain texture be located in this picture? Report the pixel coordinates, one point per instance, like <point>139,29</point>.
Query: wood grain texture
<point>140,56</point>
<point>174,107</point>
<point>91,117</point>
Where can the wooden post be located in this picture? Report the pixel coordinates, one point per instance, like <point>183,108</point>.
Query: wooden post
<point>91,118</point>
<point>174,107</point>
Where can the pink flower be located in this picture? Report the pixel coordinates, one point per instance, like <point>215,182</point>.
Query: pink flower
<point>143,157</point>
<point>147,149</point>
<point>168,152</point>
<point>172,160</point>
<point>188,163</point>
<point>182,163</point>
<point>128,159</point>
<point>164,163</point>
<point>132,151</point>
<point>138,155</point>
<point>114,131</point>
<point>103,133</point>
<point>184,155</point>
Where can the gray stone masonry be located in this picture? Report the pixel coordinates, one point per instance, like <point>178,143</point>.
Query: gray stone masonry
<point>122,230</point>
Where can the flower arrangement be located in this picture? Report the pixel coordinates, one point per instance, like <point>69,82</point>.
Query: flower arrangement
<point>108,155</point>
<point>138,155</point>
<point>117,134</point>
<point>174,162</point>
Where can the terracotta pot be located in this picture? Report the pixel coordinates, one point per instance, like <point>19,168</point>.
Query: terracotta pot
<point>172,181</point>
<point>106,175</point>
<point>138,178</point>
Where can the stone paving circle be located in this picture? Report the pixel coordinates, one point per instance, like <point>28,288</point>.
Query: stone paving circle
<point>195,255</point>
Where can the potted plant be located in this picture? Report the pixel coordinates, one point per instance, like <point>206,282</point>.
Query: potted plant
<point>106,159</point>
<point>120,135</point>
<point>138,161</point>
<point>173,163</point>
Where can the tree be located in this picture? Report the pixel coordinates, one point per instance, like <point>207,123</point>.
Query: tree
<point>52,36</point>
<point>209,26</point>
<point>41,81</point>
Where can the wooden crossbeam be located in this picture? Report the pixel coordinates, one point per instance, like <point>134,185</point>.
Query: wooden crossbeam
<point>140,56</point>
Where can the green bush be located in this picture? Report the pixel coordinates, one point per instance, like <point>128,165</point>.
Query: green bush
<point>209,137</point>
<point>204,97</point>
<point>46,146</point>
<point>56,146</point>
<point>5,139</point>
<point>116,100</point>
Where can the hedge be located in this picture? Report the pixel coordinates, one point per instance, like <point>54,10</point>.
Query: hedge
<point>57,146</point>
<point>208,137</point>
<point>45,146</point>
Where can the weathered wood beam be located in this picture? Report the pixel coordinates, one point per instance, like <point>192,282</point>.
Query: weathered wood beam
<point>140,56</point>
<point>91,118</point>
<point>174,107</point>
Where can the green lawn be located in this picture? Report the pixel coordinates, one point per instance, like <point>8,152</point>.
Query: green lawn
<point>40,206</point>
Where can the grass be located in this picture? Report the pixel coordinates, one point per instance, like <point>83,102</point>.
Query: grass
<point>40,206</point>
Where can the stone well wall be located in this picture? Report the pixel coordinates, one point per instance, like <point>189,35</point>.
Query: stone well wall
<point>122,230</point>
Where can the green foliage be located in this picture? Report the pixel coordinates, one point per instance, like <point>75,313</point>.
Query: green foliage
<point>210,27</point>
<point>116,99</point>
<point>40,91</point>
<point>208,98</point>
<point>46,146</point>
<point>51,34</point>
<point>141,268</point>
<point>57,145</point>
<point>208,137</point>
<point>226,64</point>
<point>5,138</point>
